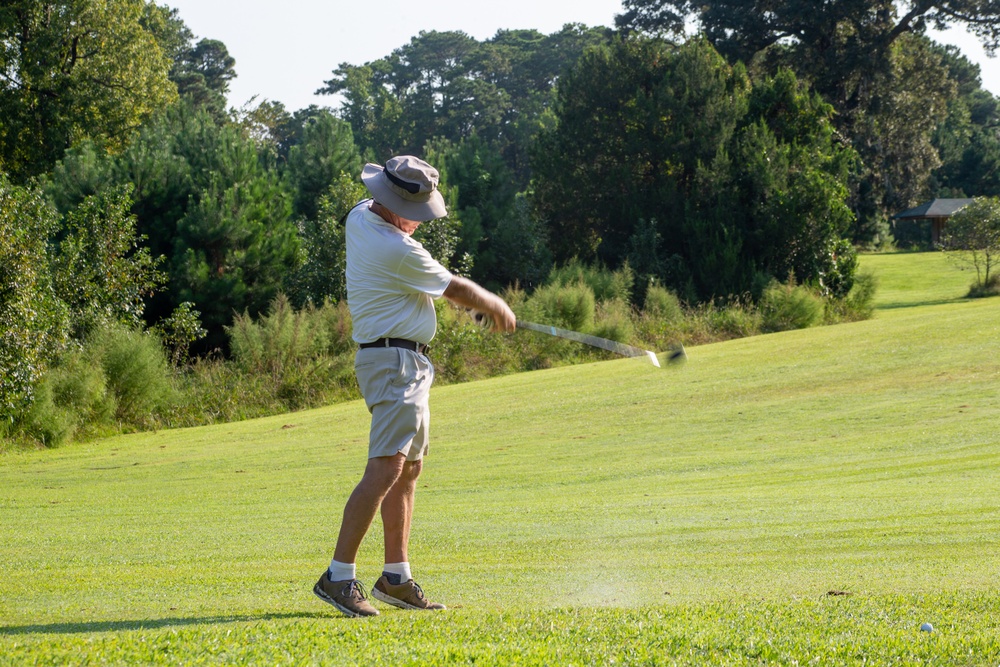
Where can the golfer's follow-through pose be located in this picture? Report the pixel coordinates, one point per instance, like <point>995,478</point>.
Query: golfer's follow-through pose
<point>391,286</point>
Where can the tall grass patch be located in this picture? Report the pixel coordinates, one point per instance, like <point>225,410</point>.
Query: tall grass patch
<point>300,354</point>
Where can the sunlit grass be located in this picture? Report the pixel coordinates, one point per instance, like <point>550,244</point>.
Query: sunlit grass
<point>584,515</point>
<point>915,279</point>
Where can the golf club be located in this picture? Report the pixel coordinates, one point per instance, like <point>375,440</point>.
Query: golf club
<point>676,355</point>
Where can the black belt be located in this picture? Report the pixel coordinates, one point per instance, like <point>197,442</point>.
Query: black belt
<point>420,348</point>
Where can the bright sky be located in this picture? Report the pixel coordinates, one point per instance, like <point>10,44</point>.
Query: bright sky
<point>286,49</point>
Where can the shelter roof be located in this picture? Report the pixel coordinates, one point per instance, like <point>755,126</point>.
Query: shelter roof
<point>936,208</point>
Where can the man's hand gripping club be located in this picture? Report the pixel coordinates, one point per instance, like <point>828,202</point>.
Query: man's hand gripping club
<point>469,295</point>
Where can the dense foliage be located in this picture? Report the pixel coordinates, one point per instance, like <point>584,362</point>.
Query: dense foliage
<point>32,321</point>
<point>71,71</point>
<point>705,181</point>
<point>868,58</point>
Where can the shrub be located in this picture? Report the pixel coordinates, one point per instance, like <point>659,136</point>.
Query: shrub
<point>71,396</point>
<point>138,377</point>
<point>606,285</point>
<point>337,320</point>
<point>571,306</point>
<point>991,287</point>
<point>614,321</point>
<point>301,355</point>
<point>180,330</point>
<point>736,319</point>
<point>790,306</point>
<point>217,390</point>
<point>281,339</point>
<point>663,304</point>
<point>45,421</point>
<point>859,304</point>
<point>78,383</point>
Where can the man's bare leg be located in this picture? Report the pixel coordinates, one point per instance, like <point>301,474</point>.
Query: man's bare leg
<point>396,585</point>
<point>381,474</point>
<point>397,513</point>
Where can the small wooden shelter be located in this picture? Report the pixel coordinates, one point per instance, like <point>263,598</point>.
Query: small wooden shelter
<point>935,212</point>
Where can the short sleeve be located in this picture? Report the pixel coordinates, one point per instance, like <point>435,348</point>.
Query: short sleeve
<point>419,273</point>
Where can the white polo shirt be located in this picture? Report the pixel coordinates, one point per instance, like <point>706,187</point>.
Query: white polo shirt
<point>392,280</point>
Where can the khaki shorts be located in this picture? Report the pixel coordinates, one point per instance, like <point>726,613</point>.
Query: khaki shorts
<point>396,385</point>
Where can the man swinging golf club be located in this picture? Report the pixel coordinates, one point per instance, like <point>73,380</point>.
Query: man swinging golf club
<point>392,282</point>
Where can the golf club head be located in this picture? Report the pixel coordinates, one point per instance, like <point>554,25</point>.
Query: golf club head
<point>677,355</point>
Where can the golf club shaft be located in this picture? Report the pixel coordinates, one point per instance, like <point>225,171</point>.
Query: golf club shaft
<point>603,343</point>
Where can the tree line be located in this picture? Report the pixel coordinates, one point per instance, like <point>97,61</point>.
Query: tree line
<point>769,146</point>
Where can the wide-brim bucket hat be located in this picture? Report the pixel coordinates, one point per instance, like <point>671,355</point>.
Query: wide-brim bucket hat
<point>407,186</point>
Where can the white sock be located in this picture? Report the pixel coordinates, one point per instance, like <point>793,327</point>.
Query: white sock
<point>342,571</point>
<point>400,569</point>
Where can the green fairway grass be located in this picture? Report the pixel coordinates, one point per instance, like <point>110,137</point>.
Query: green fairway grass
<point>917,279</point>
<point>808,497</point>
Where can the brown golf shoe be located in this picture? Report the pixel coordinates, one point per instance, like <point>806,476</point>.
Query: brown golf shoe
<point>348,596</point>
<point>407,595</point>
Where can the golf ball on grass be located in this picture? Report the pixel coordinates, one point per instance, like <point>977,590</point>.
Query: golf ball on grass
<point>927,627</point>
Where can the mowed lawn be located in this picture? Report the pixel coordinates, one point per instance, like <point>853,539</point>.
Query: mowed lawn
<point>809,497</point>
<point>918,279</point>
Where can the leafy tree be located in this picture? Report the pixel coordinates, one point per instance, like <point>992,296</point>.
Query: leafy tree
<point>236,239</point>
<point>483,190</point>
<point>320,276</point>
<point>743,28</point>
<point>33,322</point>
<point>99,269</point>
<point>72,70</point>
<point>635,120</point>
<point>325,151</point>
<point>205,198</point>
<point>968,140</point>
<point>518,250</point>
<point>973,237</point>
<point>372,107</point>
<point>669,156</point>
<point>527,66</point>
<point>446,84</point>
<point>202,74</point>
<point>893,131</point>
<point>273,128</point>
<point>867,57</point>
<point>422,90</point>
<point>201,69</point>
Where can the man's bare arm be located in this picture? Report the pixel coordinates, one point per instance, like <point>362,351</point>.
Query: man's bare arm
<point>468,294</point>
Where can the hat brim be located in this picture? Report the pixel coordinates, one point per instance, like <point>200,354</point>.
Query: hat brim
<point>374,179</point>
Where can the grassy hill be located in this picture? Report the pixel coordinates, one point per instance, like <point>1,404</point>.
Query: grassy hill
<point>810,497</point>
<point>917,279</point>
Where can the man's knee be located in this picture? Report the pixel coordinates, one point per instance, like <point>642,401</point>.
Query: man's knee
<point>411,470</point>
<point>383,471</point>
